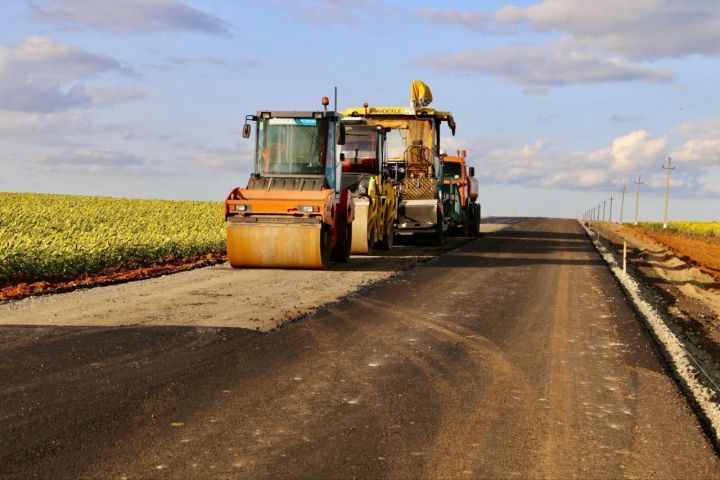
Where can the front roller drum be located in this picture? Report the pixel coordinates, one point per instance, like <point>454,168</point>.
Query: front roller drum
<point>362,236</point>
<point>268,245</point>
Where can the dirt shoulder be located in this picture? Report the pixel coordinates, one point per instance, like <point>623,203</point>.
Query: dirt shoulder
<point>702,252</point>
<point>259,299</point>
<point>686,294</point>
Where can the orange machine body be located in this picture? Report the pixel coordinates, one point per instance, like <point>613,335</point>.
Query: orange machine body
<point>283,203</point>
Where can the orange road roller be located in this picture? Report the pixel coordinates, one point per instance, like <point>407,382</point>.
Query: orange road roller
<point>293,212</point>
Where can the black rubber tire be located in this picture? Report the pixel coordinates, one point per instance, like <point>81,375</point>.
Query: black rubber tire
<point>439,237</point>
<point>371,241</point>
<point>467,219</point>
<point>325,246</point>
<point>388,238</point>
<point>341,252</point>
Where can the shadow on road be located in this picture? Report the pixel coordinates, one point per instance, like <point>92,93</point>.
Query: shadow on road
<point>512,247</point>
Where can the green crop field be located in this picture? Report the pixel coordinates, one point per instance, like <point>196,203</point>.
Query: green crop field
<point>65,236</point>
<point>702,229</point>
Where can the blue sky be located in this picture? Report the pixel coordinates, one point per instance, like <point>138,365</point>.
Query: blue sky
<point>559,102</point>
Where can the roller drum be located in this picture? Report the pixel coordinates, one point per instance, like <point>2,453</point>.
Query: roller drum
<point>360,226</point>
<point>282,245</point>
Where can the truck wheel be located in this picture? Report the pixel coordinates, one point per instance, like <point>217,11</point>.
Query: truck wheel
<point>341,252</point>
<point>439,236</point>
<point>467,221</point>
<point>388,238</point>
<point>477,221</point>
<point>325,245</point>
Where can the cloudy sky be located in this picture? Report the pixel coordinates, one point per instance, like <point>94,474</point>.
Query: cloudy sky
<point>560,103</point>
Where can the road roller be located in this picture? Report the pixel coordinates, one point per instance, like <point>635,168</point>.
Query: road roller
<point>364,174</point>
<point>413,162</point>
<point>294,213</point>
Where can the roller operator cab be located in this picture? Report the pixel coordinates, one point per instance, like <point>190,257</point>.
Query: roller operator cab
<point>363,164</point>
<point>465,218</point>
<point>294,212</point>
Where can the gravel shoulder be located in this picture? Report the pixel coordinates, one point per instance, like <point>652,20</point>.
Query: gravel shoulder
<point>220,296</point>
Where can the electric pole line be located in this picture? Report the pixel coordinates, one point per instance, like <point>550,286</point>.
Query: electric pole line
<point>603,210</point>
<point>637,182</point>
<point>622,203</point>
<point>610,217</point>
<point>598,207</point>
<point>668,169</point>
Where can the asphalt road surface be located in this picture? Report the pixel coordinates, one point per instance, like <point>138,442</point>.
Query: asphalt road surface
<point>513,356</point>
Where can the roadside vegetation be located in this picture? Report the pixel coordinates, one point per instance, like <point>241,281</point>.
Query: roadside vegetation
<point>62,237</point>
<point>703,229</point>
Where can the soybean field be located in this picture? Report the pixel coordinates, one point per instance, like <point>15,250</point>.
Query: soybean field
<point>65,236</point>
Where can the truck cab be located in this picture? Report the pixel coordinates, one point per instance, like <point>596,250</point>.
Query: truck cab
<point>457,176</point>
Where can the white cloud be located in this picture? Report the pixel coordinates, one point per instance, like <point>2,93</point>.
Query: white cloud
<point>702,147</point>
<point>20,124</point>
<point>93,161</point>
<point>636,153</point>
<point>239,158</point>
<point>636,150</point>
<point>129,16</point>
<point>553,64</point>
<point>641,29</point>
<point>592,42</point>
<point>473,19</point>
<point>348,13</point>
<point>176,62</point>
<point>39,75</point>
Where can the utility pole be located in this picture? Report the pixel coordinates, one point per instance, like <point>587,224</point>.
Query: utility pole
<point>668,169</point>
<point>610,218</point>
<point>603,210</point>
<point>637,182</point>
<point>622,202</point>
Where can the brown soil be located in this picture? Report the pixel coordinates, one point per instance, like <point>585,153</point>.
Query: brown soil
<point>136,271</point>
<point>683,288</point>
<point>703,252</point>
